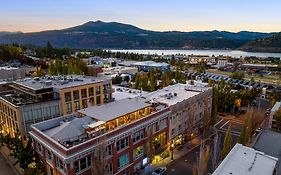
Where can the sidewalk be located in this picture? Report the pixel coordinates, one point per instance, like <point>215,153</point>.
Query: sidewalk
<point>6,153</point>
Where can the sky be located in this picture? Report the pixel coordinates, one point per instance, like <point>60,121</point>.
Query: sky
<point>160,15</point>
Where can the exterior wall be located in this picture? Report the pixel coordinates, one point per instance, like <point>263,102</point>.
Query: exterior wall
<point>188,116</point>
<point>12,74</point>
<point>10,118</point>
<point>94,147</point>
<point>38,112</point>
<point>14,118</point>
<point>101,95</point>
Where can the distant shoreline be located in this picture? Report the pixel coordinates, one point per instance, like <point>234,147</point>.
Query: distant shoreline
<point>210,52</point>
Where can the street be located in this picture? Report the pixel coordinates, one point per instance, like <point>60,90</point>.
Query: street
<point>184,165</point>
<point>5,167</point>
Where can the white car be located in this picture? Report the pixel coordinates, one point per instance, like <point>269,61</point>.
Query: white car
<point>160,171</point>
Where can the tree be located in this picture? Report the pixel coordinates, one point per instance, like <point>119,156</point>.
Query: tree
<point>39,72</point>
<point>152,80</point>
<point>214,113</point>
<point>117,80</point>
<point>137,81</point>
<point>243,134</point>
<point>238,75</point>
<point>227,143</point>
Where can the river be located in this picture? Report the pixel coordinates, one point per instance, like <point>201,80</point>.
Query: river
<point>232,53</point>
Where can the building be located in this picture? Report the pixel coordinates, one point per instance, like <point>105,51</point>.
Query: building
<point>33,100</point>
<point>120,92</point>
<point>94,70</point>
<point>242,160</point>
<point>114,138</point>
<point>273,110</point>
<point>190,105</point>
<point>269,142</point>
<point>119,137</point>
<point>146,66</point>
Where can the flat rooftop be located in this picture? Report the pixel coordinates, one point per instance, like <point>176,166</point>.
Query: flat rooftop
<point>176,93</point>
<point>243,160</point>
<point>269,142</point>
<point>58,82</point>
<point>110,111</point>
<point>120,92</point>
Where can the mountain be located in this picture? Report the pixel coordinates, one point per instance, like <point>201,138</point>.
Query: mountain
<point>100,34</point>
<point>268,44</point>
<point>2,33</point>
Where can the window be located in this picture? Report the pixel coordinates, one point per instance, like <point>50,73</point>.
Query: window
<point>76,95</point>
<point>91,101</point>
<point>49,155</point>
<point>84,103</point>
<point>138,136</point>
<point>138,152</point>
<point>179,127</point>
<point>83,93</point>
<point>122,143</point>
<point>68,108</point>
<point>82,164</point>
<point>173,131</point>
<point>60,164</point>
<point>174,120</point>
<point>98,100</point>
<point>77,105</point>
<point>162,124</point>
<point>91,91</point>
<point>110,168</point>
<point>97,90</point>
<point>67,96</point>
<point>123,161</point>
<point>39,147</point>
<point>108,150</point>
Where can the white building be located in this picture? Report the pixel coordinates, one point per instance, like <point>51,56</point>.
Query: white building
<point>243,160</point>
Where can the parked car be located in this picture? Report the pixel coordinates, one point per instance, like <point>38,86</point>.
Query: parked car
<point>160,171</point>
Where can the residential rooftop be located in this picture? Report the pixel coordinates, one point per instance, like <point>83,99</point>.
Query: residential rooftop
<point>58,82</point>
<point>243,160</point>
<point>176,93</point>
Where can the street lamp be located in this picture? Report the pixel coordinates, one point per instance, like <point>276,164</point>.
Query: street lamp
<point>172,151</point>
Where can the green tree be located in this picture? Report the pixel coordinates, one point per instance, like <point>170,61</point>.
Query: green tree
<point>152,80</point>
<point>227,143</point>
<point>243,134</point>
<point>238,75</point>
<point>214,113</point>
<point>137,81</point>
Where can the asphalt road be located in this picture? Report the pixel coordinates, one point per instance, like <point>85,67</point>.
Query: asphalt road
<point>5,167</point>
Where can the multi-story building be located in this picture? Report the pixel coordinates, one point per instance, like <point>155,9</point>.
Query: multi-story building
<point>38,99</point>
<point>190,107</point>
<point>114,138</point>
<point>122,136</point>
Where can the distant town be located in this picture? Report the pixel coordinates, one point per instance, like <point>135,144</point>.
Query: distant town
<point>67,111</point>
